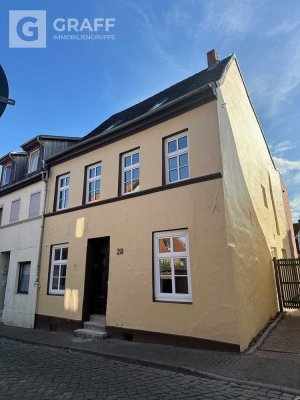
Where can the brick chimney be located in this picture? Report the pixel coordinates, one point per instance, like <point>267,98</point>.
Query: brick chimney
<point>212,58</point>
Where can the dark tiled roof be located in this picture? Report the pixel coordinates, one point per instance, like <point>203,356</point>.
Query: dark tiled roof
<point>203,78</point>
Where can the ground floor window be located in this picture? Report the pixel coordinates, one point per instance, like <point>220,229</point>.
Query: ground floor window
<point>58,269</point>
<point>24,276</point>
<point>172,277</point>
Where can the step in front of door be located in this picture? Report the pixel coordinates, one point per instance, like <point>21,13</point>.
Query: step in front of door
<point>90,334</point>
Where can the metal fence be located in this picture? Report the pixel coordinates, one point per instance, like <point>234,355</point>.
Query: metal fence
<point>287,273</point>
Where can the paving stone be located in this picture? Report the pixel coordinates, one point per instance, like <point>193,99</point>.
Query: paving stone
<point>31,372</point>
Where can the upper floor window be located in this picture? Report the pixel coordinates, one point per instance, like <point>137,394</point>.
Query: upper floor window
<point>15,211</point>
<point>63,186</point>
<point>177,158</point>
<point>33,161</point>
<point>130,172</point>
<point>58,269</point>
<point>6,178</point>
<point>34,205</point>
<point>172,266</point>
<point>93,187</point>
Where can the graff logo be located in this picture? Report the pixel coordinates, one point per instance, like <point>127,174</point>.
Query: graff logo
<point>27,29</point>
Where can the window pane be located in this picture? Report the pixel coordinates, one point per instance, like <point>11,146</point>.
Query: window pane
<point>173,175</point>
<point>62,182</point>
<point>64,255</point>
<point>135,185</point>
<point>165,245</point>
<point>182,142</point>
<point>172,163</point>
<point>166,284</point>
<point>56,270</point>
<point>91,186</point>
<point>63,270</point>
<point>24,275</point>
<point>136,158</point>
<point>181,285</point>
<point>127,176</point>
<point>57,254</point>
<point>67,181</point>
<point>172,146</point>
<point>136,173</point>
<point>7,174</point>
<point>127,161</point>
<point>98,170</point>
<point>180,266</point>
<point>55,283</point>
<point>97,185</point>
<point>92,172</point>
<point>183,160</point>
<point>62,284</point>
<point>179,244</point>
<point>165,266</point>
<point>127,187</point>
<point>184,172</point>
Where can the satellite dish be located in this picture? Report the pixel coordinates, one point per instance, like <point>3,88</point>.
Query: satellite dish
<point>4,91</point>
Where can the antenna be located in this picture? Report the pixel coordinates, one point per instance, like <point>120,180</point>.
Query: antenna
<point>4,91</point>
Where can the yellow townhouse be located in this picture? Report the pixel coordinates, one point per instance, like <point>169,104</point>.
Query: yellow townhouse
<point>161,224</point>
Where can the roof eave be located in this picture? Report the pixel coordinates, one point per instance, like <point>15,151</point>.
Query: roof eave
<point>176,107</point>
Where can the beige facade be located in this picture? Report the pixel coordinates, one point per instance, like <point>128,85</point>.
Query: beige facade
<point>231,226</point>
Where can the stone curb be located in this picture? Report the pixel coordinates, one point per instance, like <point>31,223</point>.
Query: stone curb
<point>179,369</point>
<point>264,336</point>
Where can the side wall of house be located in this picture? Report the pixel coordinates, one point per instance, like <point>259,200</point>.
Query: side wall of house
<point>130,223</point>
<point>256,223</point>
<point>19,242</point>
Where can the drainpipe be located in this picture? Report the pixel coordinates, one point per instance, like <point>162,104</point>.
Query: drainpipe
<point>37,281</point>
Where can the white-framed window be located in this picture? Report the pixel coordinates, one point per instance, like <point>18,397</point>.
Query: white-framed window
<point>130,179</point>
<point>6,178</point>
<point>58,269</point>
<point>33,161</point>
<point>34,205</point>
<point>177,158</point>
<point>15,211</point>
<point>63,187</point>
<point>172,276</point>
<point>93,183</point>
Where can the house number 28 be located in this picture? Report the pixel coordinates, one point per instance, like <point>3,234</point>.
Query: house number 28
<point>120,251</point>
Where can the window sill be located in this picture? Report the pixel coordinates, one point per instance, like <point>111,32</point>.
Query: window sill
<point>169,300</point>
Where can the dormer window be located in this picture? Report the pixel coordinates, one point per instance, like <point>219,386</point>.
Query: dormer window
<point>6,177</point>
<point>33,161</point>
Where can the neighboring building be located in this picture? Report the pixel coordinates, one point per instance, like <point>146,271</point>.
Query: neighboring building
<point>165,218</point>
<point>22,193</point>
<point>297,236</point>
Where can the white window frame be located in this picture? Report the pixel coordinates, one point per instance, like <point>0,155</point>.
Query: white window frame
<point>32,167</point>
<point>176,154</point>
<point>94,179</point>
<point>4,174</point>
<point>173,297</point>
<point>57,262</point>
<point>62,189</point>
<point>128,169</point>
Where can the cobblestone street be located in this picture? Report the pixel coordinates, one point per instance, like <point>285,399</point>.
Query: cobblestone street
<point>33,372</point>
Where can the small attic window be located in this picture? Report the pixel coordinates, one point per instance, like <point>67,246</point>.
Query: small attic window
<point>33,161</point>
<point>6,177</point>
<point>112,125</point>
<point>158,104</point>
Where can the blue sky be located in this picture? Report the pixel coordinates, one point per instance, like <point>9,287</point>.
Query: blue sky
<point>71,86</point>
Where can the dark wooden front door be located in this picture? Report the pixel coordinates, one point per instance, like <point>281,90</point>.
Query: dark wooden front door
<point>96,280</point>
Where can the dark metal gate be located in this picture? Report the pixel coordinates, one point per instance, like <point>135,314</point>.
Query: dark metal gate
<point>287,272</point>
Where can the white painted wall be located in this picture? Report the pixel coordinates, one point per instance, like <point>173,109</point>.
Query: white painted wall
<point>22,240</point>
